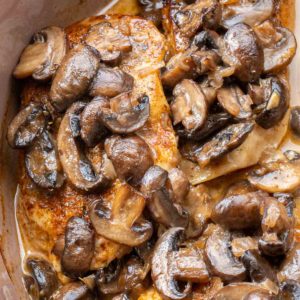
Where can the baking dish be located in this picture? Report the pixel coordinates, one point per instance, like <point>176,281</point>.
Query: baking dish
<point>18,17</point>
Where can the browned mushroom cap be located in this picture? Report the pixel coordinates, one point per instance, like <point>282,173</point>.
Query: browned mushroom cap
<point>243,51</point>
<point>131,157</point>
<point>42,163</point>
<point>243,291</point>
<point>219,257</point>
<point>180,66</point>
<point>44,275</point>
<point>213,123</point>
<point>110,82</point>
<point>125,115</point>
<point>235,101</point>
<point>121,220</point>
<point>73,77</point>
<point>295,120</point>
<point>277,229</point>
<point>79,247</point>
<point>42,58</point>
<point>202,13</point>
<point>290,290</point>
<point>272,111</point>
<point>279,46</point>
<point>180,184</point>
<point>120,276</point>
<point>92,131</point>
<point>28,124</point>
<point>109,41</point>
<point>248,12</point>
<point>77,168</point>
<point>290,267</point>
<point>225,141</point>
<point>239,211</point>
<point>161,273</point>
<point>73,291</point>
<point>258,267</point>
<point>189,106</point>
<point>160,204</point>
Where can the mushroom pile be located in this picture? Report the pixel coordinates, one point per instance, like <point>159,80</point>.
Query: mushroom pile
<point>223,77</point>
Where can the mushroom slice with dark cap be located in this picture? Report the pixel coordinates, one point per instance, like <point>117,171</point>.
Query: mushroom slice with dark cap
<point>110,82</point>
<point>43,56</point>
<point>248,12</point>
<point>76,166</point>
<point>92,131</point>
<point>242,51</point>
<point>219,258</point>
<point>180,184</point>
<point>44,275</point>
<point>121,219</point>
<point>189,106</point>
<point>279,46</point>
<point>26,126</point>
<point>161,273</point>
<point>290,290</point>
<point>226,140</point>
<point>160,202</point>
<point>272,111</point>
<point>243,291</point>
<point>277,229</point>
<point>238,212</point>
<point>42,162</point>
<point>131,157</point>
<point>295,120</point>
<point>110,41</point>
<point>235,102</point>
<point>73,291</point>
<point>125,115</point>
<point>73,77</point>
<point>79,247</point>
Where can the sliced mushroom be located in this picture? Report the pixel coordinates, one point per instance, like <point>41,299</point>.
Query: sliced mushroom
<point>78,169</point>
<point>235,101</point>
<point>273,110</point>
<point>295,120</point>
<point>110,82</point>
<point>160,203</point>
<point>73,291</point>
<point>42,57</point>
<point>243,51</point>
<point>292,155</point>
<point>240,245</point>
<point>189,106</point>
<point>207,39</point>
<point>224,142</point>
<point>79,247</point>
<point>161,273</point>
<point>131,157</point>
<point>277,229</point>
<point>206,61</point>
<point>180,66</point>
<point>109,41</point>
<point>243,291</point>
<point>290,267</point>
<point>239,212</point>
<point>288,201</point>
<point>121,220</point>
<point>258,267</point>
<point>213,123</point>
<point>120,277</point>
<point>42,163</point>
<point>290,290</point>
<point>179,183</point>
<point>26,126</point>
<point>44,275</point>
<point>248,12</point>
<point>125,115</point>
<point>73,77</point>
<point>279,46</point>
<point>92,131</point>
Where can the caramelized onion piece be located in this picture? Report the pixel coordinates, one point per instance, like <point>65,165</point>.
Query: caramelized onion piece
<point>42,163</point>
<point>77,167</point>
<point>121,220</point>
<point>26,126</point>
<point>42,57</point>
<point>73,77</point>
